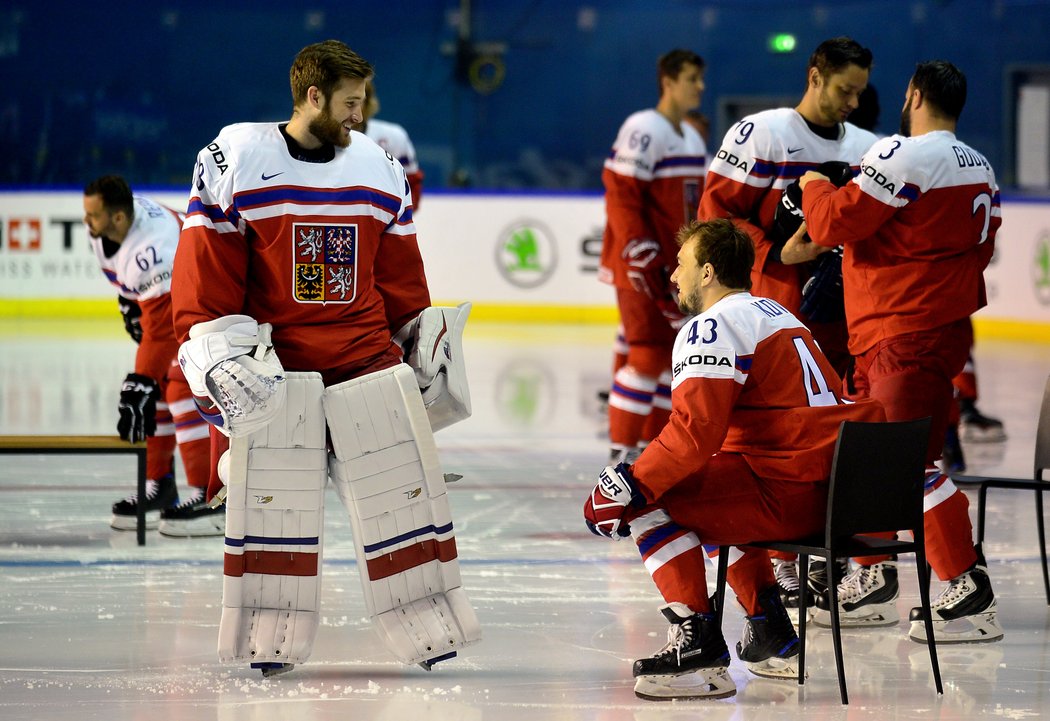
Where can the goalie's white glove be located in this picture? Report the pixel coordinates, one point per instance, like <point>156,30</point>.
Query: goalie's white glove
<point>235,376</point>
<point>432,345</point>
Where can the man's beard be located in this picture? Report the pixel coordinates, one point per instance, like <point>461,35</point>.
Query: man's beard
<point>906,121</point>
<point>328,130</point>
<point>690,304</point>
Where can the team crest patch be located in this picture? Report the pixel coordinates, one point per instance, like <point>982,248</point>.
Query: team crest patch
<point>324,258</point>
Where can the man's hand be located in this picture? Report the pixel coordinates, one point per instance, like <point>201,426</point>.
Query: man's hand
<point>800,249</point>
<point>811,175</point>
<point>607,505</point>
<point>138,408</point>
<point>645,268</point>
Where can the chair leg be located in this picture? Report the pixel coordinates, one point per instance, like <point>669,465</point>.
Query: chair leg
<point>836,628</point>
<point>720,582</point>
<point>1042,541</point>
<point>803,613</point>
<point>927,614</point>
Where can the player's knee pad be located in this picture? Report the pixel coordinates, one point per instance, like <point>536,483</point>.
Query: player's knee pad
<point>275,481</point>
<point>386,469</point>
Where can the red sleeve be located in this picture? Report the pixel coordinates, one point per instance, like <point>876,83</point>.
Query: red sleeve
<point>415,183</point>
<point>158,347</point>
<point>700,412</point>
<point>837,216</point>
<point>400,279</point>
<point>209,277</point>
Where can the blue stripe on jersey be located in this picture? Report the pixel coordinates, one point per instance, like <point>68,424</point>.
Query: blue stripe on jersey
<point>656,537</point>
<point>909,192</point>
<point>640,396</point>
<point>743,363</point>
<point>679,161</point>
<point>320,196</point>
<point>425,530</point>
<point>213,212</point>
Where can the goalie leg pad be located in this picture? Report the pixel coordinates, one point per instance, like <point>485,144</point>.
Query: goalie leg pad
<point>385,467</point>
<point>274,532</point>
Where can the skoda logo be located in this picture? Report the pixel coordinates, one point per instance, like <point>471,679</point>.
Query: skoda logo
<point>1041,268</point>
<point>526,254</point>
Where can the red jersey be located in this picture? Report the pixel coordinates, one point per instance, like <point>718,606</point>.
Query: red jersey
<point>918,225</point>
<point>748,378</point>
<point>653,179</point>
<point>759,157</point>
<point>324,251</point>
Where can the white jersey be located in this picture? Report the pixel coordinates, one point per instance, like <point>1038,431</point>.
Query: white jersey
<point>141,267</point>
<point>394,139</point>
<point>649,147</point>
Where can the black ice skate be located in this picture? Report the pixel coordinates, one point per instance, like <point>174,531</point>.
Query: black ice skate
<point>770,645</point>
<point>160,494</point>
<point>965,612</point>
<point>693,664</point>
<point>193,518</point>
<point>975,427</point>
<point>867,597</point>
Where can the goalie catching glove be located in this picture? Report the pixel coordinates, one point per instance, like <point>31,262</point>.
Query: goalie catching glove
<point>138,408</point>
<point>432,345</point>
<point>605,508</point>
<point>236,378</point>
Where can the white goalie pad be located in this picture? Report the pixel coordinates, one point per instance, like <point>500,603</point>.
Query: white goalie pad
<point>234,373</point>
<point>386,469</point>
<point>274,532</point>
<point>433,347</point>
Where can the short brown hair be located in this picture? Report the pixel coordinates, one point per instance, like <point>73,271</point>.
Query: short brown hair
<point>832,56</point>
<point>670,65</point>
<point>725,246</point>
<point>115,193</point>
<point>324,65</point>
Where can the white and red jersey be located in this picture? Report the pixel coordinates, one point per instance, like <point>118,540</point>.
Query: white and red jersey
<point>918,225</point>
<point>324,251</point>
<point>140,269</point>
<point>748,378</point>
<point>394,139</point>
<point>759,157</point>
<point>653,179</point>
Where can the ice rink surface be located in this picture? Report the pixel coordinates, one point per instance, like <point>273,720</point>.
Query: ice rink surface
<point>94,627</point>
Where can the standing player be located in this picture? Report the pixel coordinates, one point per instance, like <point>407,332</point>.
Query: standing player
<point>918,225</point>
<point>653,179</point>
<point>134,240</point>
<point>299,252</point>
<point>759,157</point>
<point>394,139</point>
<point>745,456</point>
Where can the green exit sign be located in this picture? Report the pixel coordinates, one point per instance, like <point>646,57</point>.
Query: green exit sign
<point>782,43</point>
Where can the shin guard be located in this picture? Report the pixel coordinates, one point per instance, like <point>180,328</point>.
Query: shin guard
<point>385,467</point>
<point>274,526</point>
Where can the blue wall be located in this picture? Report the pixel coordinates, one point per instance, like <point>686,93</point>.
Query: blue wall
<point>139,89</point>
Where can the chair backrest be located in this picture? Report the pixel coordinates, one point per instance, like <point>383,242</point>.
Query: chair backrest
<point>877,477</point>
<point>1042,435</point>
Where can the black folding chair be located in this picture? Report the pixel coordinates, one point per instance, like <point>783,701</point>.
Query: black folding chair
<point>877,479</point>
<point>1036,483</point>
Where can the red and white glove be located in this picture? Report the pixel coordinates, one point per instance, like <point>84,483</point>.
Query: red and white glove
<point>645,268</point>
<point>608,503</point>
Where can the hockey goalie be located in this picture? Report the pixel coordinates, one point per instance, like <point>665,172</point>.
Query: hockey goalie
<point>311,343</point>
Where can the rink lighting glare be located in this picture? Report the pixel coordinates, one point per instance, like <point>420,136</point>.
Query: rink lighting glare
<point>782,43</point>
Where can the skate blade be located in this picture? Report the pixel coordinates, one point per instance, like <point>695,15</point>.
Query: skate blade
<point>979,628</point>
<point>774,667</point>
<point>710,683</point>
<point>130,523</point>
<point>269,670</point>
<point>975,434</point>
<point>177,530</point>
<point>879,614</point>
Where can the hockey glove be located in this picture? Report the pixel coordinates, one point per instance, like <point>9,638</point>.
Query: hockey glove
<point>138,408</point>
<point>608,503</point>
<point>822,299</point>
<point>132,317</point>
<point>645,268</point>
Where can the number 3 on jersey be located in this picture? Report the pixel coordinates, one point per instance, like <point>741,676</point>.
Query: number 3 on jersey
<point>817,390</point>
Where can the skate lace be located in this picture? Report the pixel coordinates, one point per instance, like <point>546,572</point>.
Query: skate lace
<point>679,635</point>
<point>958,589</point>
<point>858,584</point>
<point>194,499</point>
<point>152,489</point>
<point>786,575</point>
